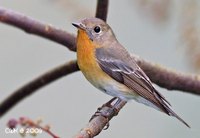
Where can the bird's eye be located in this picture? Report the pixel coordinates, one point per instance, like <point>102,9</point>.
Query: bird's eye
<point>97,29</point>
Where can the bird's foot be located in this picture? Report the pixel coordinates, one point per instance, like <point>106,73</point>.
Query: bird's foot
<point>111,111</point>
<point>100,113</point>
<point>109,103</point>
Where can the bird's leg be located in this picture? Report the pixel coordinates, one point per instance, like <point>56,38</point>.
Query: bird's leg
<point>114,109</point>
<point>111,110</point>
<point>108,104</point>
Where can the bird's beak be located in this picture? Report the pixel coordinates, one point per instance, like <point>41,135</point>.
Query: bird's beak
<point>79,25</point>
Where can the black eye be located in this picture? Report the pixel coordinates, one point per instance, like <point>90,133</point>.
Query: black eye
<point>97,29</point>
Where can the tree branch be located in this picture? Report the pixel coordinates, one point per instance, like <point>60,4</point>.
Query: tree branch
<point>96,125</point>
<point>38,28</point>
<point>102,9</point>
<point>36,84</point>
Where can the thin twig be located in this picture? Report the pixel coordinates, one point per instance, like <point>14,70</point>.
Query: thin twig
<point>38,28</point>
<point>102,9</point>
<point>36,84</point>
<point>24,123</point>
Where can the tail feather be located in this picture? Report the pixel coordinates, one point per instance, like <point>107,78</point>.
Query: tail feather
<point>164,105</point>
<point>172,113</point>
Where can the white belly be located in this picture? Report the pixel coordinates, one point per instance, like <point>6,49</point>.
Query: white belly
<point>116,89</point>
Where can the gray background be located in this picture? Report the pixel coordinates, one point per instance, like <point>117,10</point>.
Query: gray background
<point>68,103</point>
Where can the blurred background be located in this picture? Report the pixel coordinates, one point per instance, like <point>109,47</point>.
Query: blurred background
<point>162,31</point>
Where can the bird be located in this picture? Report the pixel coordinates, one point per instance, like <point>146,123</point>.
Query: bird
<point>108,66</point>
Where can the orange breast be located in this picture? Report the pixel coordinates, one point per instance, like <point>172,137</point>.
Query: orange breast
<point>87,61</point>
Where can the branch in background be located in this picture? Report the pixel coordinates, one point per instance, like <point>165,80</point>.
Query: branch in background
<point>97,124</point>
<point>38,28</point>
<point>102,9</point>
<point>36,84</point>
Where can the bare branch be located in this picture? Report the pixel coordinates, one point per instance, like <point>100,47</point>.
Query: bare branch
<point>102,9</point>
<point>96,125</point>
<point>36,84</point>
<point>33,26</point>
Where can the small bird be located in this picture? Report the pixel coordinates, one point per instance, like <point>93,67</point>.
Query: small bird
<point>108,66</point>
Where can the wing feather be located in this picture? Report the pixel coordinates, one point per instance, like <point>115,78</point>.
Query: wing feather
<point>132,77</point>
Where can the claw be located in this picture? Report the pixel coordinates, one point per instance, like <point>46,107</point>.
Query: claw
<point>98,113</point>
<point>109,103</point>
<point>106,126</point>
<point>111,110</point>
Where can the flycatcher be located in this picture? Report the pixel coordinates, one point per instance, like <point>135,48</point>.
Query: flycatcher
<point>109,67</point>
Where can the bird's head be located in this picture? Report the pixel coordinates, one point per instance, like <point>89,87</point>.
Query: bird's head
<point>96,29</point>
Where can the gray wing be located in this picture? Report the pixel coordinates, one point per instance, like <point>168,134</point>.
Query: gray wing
<point>119,65</point>
<point>126,71</point>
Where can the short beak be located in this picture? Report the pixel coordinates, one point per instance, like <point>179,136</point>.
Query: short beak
<point>79,25</point>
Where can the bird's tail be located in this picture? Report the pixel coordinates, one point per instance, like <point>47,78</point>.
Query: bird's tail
<point>172,113</point>
<point>164,106</point>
